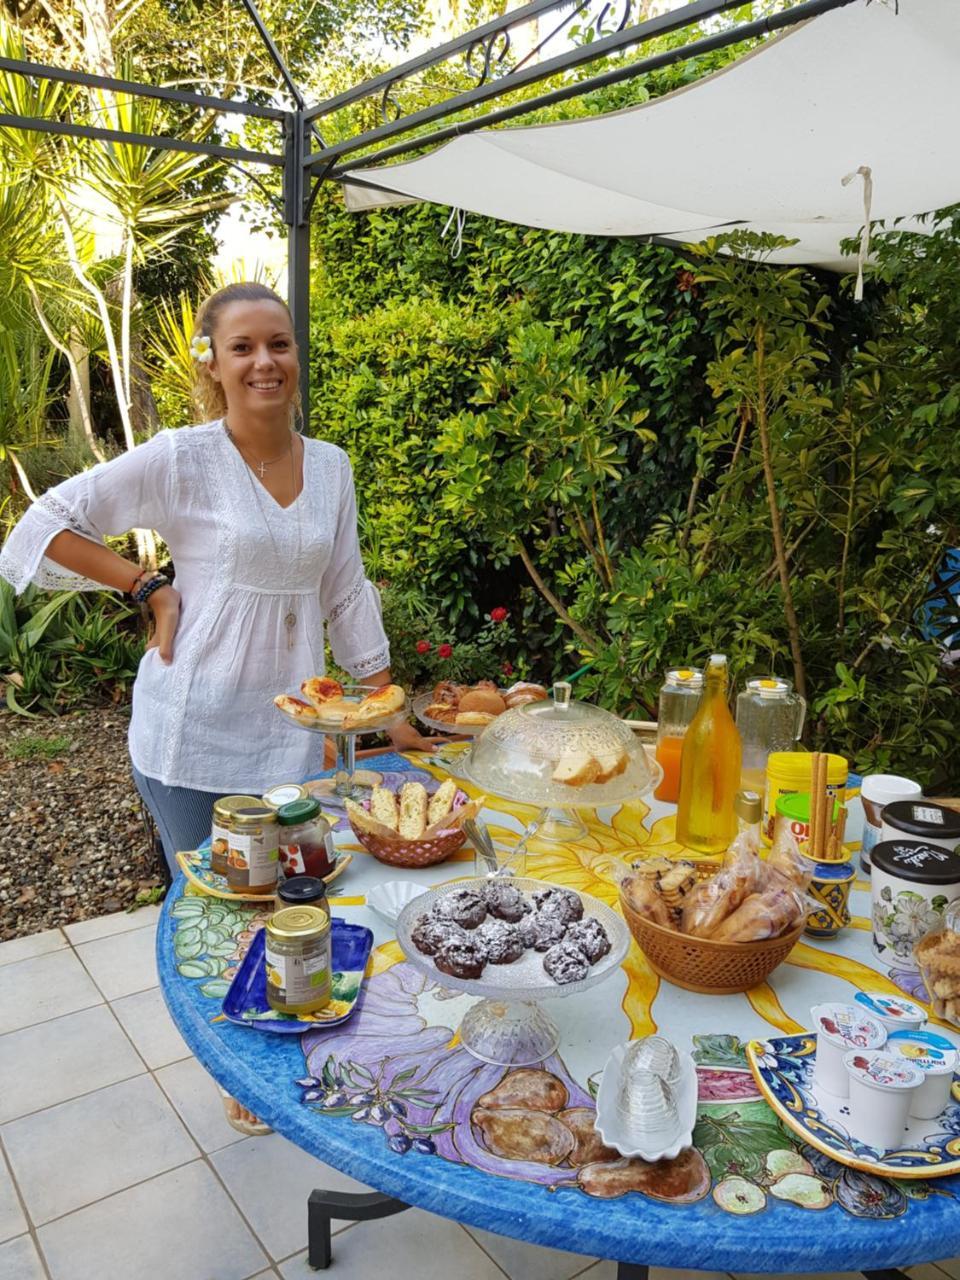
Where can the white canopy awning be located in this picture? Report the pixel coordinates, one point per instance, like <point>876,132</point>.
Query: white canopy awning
<point>764,144</point>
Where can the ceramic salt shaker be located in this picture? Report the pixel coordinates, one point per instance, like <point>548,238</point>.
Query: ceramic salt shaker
<point>882,1087</point>
<point>839,1029</point>
<point>896,1013</point>
<point>912,883</point>
<point>937,1059</point>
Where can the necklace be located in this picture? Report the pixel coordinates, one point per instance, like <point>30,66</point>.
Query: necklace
<point>261,463</point>
<point>290,617</point>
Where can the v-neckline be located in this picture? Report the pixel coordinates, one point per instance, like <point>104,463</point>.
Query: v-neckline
<point>258,481</point>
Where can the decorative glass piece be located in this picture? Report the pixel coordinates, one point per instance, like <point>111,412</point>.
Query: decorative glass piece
<point>656,1054</point>
<point>646,1105</point>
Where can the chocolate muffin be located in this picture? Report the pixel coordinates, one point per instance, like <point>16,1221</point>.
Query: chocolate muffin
<point>548,930</point>
<point>464,907</point>
<point>429,933</point>
<point>503,941</point>
<point>560,902</point>
<point>566,963</point>
<point>590,936</point>
<point>505,901</point>
<point>461,957</point>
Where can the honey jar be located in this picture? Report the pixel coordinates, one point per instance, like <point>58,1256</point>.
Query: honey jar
<point>253,860</point>
<point>297,956</point>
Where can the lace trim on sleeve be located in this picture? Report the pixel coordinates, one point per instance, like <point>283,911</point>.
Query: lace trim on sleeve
<point>349,597</point>
<point>22,559</point>
<point>371,663</point>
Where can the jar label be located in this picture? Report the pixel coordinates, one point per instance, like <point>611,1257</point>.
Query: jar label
<point>300,977</point>
<point>254,857</point>
<point>922,814</point>
<point>219,848</point>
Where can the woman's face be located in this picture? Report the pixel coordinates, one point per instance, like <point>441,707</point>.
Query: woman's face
<point>255,357</point>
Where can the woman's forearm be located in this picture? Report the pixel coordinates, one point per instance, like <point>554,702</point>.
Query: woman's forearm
<point>380,678</point>
<point>92,560</point>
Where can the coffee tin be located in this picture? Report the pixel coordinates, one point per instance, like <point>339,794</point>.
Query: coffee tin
<point>912,882</point>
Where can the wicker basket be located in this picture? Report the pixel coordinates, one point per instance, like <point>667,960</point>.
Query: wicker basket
<point>711,968</point>
<point>400,852</point>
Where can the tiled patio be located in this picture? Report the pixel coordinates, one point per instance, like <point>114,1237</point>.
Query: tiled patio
<point>118,1162</point>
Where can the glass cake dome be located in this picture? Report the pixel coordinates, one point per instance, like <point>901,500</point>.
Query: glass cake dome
<point>560,754</point>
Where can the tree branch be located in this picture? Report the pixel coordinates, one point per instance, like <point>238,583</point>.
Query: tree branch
<point>591,641</point>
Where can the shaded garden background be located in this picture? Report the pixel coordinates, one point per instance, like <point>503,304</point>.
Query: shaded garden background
<point>572,429</point>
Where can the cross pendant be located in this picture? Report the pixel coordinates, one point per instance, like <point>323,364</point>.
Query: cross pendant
<point>262,469</point>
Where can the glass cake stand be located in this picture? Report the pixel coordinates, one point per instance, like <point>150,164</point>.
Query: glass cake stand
<point>518,755</point>
<point>346,787</point>
<point>508,1026</point>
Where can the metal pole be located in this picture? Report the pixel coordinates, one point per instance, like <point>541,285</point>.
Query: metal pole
<point>296,216</point>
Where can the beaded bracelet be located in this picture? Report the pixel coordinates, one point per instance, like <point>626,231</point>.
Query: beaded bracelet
<point>143,594</point>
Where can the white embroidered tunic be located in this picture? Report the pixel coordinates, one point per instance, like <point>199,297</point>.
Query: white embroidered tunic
<point>243,563</point>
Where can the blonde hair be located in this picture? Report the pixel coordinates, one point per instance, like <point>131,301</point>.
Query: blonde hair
<point>208,394</point>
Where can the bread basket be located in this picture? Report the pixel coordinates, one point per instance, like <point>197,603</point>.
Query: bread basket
<point>701,965</point>
<point>402,852</point>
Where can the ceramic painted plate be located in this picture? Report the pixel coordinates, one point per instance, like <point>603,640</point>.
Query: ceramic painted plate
<point>783,1069</point>
<point>246,1001</point>
<point>196,867</point>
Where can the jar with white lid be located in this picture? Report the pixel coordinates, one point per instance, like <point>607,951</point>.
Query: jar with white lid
<point>877,790</point>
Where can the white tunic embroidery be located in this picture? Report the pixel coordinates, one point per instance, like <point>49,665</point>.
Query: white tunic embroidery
<point>207,720</point>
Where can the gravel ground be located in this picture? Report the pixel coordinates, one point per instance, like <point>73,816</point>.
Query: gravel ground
<point>72,845</point>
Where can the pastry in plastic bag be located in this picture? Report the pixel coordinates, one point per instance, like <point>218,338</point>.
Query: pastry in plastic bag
<point>763,915</point>
<point>643,895</point>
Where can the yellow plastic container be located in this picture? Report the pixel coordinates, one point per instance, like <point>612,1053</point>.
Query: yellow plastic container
<point>792,771</point>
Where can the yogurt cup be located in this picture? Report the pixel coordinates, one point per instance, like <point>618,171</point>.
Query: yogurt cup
<point>882,1087</point>
<point>937,1059</point>
<point>893,1012</point>
<point>841,1028</point>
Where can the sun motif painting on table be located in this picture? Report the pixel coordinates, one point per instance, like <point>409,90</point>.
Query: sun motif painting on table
<point>396,1069</point>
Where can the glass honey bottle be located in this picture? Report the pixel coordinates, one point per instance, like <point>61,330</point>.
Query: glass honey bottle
<point>709,768</point>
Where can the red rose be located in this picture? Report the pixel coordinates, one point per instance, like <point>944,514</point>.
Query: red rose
<point>423,646</point>
<point>444,650</point>
<point>507,668</point>
<point>499,614</point>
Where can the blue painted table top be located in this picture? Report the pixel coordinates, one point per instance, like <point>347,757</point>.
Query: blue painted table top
<point>391,1099</point>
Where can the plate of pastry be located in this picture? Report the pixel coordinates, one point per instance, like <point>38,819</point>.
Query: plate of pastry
<point>468,709</point>
<point>324,705</point>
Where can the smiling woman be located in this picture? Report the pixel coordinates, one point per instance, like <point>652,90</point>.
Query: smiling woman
<point>261,525</point>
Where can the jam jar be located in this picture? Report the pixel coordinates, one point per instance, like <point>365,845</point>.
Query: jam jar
<point>306,839</point>
<point>253,861</point>
<point>221,827</point>
<point>297,958</point>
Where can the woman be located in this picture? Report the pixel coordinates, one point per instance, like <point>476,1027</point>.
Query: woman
<point>261,524</point>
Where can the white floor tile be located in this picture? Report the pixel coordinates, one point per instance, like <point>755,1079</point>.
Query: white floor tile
<point>270,1180</point>
<point>179,1226</point>
<point>19,1260</point>
<point>410,1244</point>
<point>608,1271</point>
<point>196,1097</point>
<point>36,944</point>
<point>62,1059</point>
<point>122,963</point>
<point>522,1261</point>
<point>148,1024</point>
<point>12,1221</point>
<point>44,987</point>
<point>82,1150</point>
<point>106,926</point>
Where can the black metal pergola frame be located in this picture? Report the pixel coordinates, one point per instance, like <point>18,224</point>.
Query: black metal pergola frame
<point>307,161</point>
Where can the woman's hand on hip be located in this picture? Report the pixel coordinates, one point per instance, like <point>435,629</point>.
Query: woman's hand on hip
<point>165,607</point>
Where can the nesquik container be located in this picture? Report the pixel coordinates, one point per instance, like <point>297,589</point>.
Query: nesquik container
<point>840,1028</point>
<point>937,1059</point>
<point>882,1086</point>
<point>921,820</point>
<point>912,882</point>
<point>894,1012</point>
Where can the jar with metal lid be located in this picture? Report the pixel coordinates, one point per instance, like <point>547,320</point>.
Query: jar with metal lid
<point>253,861</point>
<point>302,891</point>
<point>912,884</point>
<point>285,793</point>
<point>297,958</point>
<point>769,718</point>
<point>921,820</point>
<point>679,699</point>
<point>220,829</point>
<point>306,839</point>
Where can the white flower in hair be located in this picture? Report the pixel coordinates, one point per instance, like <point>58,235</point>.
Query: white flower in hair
<point>201,348</point>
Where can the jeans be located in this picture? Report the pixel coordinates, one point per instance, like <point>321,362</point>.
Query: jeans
<point>183,816</point>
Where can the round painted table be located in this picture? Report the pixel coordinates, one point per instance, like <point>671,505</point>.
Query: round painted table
<point>389,1094</point>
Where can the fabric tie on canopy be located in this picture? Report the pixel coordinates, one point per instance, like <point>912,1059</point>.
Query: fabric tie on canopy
<point>766,144</point>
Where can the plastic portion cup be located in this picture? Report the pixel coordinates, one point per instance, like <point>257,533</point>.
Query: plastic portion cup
<point>840,1028</point>
<point>937,1059</point>
<point>894,1012</point>
<point>882,1086</point>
